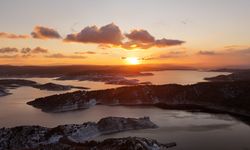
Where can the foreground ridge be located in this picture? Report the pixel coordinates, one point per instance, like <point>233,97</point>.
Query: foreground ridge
<point>128,143</point>
<point>32,136</point>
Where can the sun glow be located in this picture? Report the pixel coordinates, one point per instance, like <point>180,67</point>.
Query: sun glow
<point>133,60</point>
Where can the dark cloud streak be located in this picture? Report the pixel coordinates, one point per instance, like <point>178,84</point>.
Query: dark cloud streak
<point>88,52</point>
<point>59,55</point>
<point>8,50</point>
<point>206,53</point>
<point>41,32</point>
<point>13,36</point>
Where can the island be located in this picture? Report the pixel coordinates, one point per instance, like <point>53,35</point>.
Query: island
<point>127,143</point>
<point>6,84</point>
<point>236,75</point>
<point>79,135</point>
<point>106,78</point>
<point>231,97</point>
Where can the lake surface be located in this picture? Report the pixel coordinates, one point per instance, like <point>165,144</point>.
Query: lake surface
<point>159,77</point>
<point>191,131</point>
<point>178,76</point>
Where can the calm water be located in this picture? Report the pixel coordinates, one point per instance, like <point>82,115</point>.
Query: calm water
<point>159,77</point>
<point>191,131</point>
<point>178,76</point>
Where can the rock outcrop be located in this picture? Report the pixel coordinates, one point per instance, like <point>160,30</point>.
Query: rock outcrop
<point>128,143</point>
<point>64,102</point>
<point>3,92</point>
<point>32,136</point>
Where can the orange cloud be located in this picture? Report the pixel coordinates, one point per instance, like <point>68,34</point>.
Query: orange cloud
<point>8,50</point>
<point>88,52</point>
<point>172,54</point>
<point>108,34</point>
<point>59,55</point>
<point>8,56</point>
<point>143,39</point>
<point>130,45</point>
<point>13,36</point>
<point>167,42</point>
<point>25,52</point>
<point>140,36</point>
<point>45,33</point>
<point>34,50</point>
<point>39,50</point>
<point>135,45</point>
<point>206,53</point>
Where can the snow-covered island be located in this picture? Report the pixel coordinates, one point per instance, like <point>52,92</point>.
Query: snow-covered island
<point>127,143</point>
<point>25,137</point>
<point>229,97</point>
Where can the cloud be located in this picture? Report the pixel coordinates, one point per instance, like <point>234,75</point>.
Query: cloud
<point>34,50</point>
<point>168,42</point>
<point>235,47</point>
<point>45,33</point>
<point>143,40</point>
<point>28,52</point>
<point>108,34</point>
<point>135,45</point>
<point>228,51</point>
<point>206,53</point>
<point>59,55</point>
<point>158,43</point>
<point>172,54</point>
<point>8,56</point>
<point>25,50</point>
<point>245,51</point>
<point>88,52</point>
<point>39,50</point>
<point>140,36</point>
<point>13,36</point>
<point>8,50</point>
<point>5,53</point>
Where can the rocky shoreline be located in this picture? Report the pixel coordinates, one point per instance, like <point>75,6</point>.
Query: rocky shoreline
<point>6,84</point>
<point>28,137</point>
<point>236,75</point>
<point>127,143</point>
<point>230,97</point>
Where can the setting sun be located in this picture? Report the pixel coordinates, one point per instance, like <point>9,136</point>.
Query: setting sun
<point>133,60</point>
<point>154,61</point>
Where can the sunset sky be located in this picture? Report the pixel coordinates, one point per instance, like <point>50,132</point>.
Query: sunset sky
<point>210,33</point>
